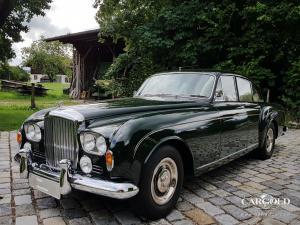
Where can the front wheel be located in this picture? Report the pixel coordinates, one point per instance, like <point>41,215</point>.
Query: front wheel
<point>161,183</point>
<point>266,151</point>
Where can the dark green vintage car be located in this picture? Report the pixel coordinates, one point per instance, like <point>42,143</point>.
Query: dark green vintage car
<point>178,124</point>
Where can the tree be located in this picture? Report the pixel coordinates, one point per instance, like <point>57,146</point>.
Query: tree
<point>14,17</point>
<point>258,39</point>
<point>16,73</point>
<point>49,58</point>
<point>5,9</point>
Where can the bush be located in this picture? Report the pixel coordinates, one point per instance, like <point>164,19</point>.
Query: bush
<point>13,73</point>
<point>128,72</point>
<point>292,90</point>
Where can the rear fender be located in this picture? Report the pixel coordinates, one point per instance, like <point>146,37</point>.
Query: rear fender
<point>268,116</point>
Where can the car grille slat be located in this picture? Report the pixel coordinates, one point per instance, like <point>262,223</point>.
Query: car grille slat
<point>60,140</point>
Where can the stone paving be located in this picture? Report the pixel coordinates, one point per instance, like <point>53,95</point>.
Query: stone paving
<point>213,198</point>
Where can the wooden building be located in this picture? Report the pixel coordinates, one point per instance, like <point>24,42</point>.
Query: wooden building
<point>90,59</point>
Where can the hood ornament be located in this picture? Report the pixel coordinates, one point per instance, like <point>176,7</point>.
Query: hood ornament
<point>60,104</point>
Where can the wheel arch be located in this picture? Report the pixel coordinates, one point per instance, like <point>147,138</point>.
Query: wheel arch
<point>268,116</point>
<point>183,149</point>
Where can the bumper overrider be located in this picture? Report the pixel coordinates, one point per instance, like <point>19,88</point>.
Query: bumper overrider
<point>61,182</point>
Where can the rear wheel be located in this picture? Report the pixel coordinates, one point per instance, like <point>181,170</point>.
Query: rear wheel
<point>266,151</point>
<point>161,183</point>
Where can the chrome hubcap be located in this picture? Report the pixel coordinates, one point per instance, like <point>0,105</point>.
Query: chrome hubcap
<point>269,140</point>
<point>164,181</point>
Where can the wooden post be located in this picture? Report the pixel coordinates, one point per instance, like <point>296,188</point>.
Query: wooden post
<point>33,96</point>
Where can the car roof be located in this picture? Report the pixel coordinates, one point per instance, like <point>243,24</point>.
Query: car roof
<point>215,73</point>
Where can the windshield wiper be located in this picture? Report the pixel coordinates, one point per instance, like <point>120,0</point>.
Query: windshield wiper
<point>175,96</point>
<point>159,95</point>
<point>194,96</point>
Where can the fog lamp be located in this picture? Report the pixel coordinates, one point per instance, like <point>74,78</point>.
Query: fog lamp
<point>86,164</point>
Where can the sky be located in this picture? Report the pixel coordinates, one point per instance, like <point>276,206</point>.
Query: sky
<point>64,16</point>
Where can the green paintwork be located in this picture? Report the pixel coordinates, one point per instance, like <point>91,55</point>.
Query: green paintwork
<point>207,133</point>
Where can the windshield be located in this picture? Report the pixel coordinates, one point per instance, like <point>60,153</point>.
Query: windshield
<point>178,85</point>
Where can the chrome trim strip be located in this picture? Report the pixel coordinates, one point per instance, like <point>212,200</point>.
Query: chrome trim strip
<point>245,150</point>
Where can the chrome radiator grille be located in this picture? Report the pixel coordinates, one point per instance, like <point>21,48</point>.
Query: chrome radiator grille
<point>60,140</point>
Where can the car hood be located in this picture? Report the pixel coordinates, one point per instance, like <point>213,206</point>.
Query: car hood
<point>123,106</point>
<point>129,106</point>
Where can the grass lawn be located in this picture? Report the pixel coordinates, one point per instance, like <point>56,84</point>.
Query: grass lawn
<point>15,108</point>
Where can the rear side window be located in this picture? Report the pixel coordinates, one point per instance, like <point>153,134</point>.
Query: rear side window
<point>245,90</point>
<point>226,89</point>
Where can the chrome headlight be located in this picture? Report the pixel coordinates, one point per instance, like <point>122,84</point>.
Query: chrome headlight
<point>33,132</point>
<point>93,143</point>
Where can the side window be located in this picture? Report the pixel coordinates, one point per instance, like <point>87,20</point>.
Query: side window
<point>245,91</point>
<point>256,95</point>
<point>226,89</point>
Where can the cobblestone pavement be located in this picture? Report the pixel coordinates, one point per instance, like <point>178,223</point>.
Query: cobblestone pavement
<point>213,198</point>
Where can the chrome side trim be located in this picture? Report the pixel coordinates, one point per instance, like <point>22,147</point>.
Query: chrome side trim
<point>228,157</point>
<point>69,114</point>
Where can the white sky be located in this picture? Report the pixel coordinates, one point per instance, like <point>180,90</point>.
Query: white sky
<point>65,16</point>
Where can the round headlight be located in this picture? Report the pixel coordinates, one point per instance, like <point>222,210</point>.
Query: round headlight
<point>86,164</point>
<point>33,132</point>
<point>101,145</point>
<point>89,142</point>
<point>30,132</point>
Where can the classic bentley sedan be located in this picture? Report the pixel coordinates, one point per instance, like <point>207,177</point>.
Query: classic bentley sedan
<point>177,124</point>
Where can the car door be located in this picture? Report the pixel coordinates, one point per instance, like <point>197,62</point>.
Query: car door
<point>249,96</point>
<point>233,116</point>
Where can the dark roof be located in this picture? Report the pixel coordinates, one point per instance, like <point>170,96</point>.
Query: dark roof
<point>85,36</point>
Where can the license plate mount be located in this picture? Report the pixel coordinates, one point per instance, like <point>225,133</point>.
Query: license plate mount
<point>47,186</point>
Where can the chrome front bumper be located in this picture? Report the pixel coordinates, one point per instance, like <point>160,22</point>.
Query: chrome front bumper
<point>62,182</point>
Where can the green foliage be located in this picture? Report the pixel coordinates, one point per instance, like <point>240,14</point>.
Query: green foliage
<point>258,39</point>
<point>13,73</point>
<point>104,88</point>
<point>292,89</point>
<point>49,58</point>
<point>129,70</point>
<point>15,21</point>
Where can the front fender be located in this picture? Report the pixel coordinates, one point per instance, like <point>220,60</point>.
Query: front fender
<point>137,138</point>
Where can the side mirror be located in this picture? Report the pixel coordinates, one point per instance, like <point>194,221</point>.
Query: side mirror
<point>219,94</point>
